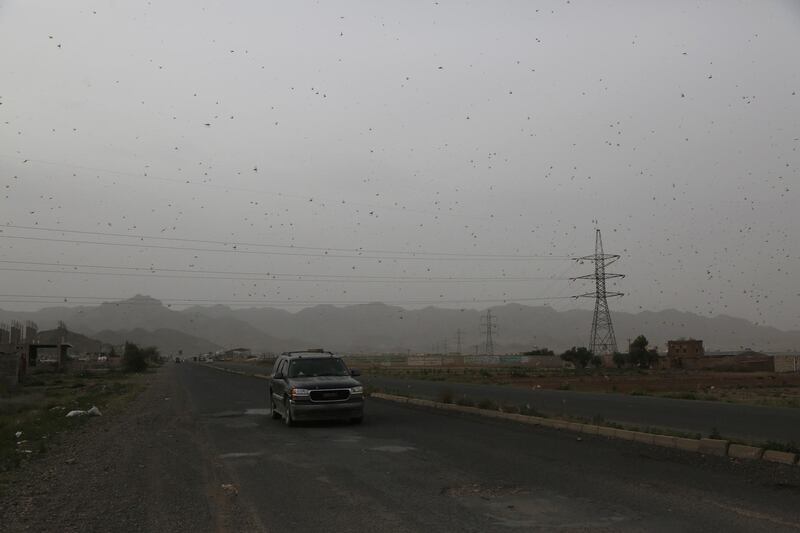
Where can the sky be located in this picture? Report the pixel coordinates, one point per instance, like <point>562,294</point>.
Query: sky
<point>458,154</point>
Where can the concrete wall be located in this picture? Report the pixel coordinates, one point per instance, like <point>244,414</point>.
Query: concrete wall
<point>787,363</point>
<point>9,365</point>
<point>752,363</point>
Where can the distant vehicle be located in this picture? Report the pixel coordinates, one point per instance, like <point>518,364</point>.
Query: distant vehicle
<point>102,359</point>
<point>314,385</point>
<point>177,359</point>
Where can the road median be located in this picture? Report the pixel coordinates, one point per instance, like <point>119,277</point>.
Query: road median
<point>704,446</point>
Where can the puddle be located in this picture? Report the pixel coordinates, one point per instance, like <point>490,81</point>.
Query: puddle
<point>348,440</point>
<point>393,449</point>
<point>225,414</point>
<point>238,455</point>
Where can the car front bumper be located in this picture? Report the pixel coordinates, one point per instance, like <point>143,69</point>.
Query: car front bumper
<point>306,410</point>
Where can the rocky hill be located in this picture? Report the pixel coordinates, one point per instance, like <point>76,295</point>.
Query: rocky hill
<point>378,327</point>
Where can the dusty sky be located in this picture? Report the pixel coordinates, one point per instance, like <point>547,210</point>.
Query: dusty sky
<point>498,132</point>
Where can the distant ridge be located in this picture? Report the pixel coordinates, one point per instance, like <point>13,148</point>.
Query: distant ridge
<point>377,327</point>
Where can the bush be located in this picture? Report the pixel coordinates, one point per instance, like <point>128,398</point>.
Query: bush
<point>487,404</point>
<point>446,396</point>
<point>134,359</point>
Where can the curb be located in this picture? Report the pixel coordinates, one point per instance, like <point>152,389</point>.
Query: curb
<point>717,447</point>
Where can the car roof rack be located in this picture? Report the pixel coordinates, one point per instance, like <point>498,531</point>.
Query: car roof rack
<point>312,351</point>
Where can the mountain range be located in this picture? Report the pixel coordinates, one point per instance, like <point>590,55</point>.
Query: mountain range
<point>377,327</point>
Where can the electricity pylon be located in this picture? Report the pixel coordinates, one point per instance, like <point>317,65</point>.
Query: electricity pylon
<point>489,325</point>
<point>603,341</point>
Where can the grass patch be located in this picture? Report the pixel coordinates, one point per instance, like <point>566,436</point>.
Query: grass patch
<point>38,410</point>
<point>790,446</point>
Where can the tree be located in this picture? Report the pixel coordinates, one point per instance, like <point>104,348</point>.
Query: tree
<point>539,351</point>
<point>620,359</point>
<point>639,355</point>
<point>133,358</point>
<point>580,357</point>
<point>597,361</point>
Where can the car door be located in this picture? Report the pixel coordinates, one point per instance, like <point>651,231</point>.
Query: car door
<point>279,385</point>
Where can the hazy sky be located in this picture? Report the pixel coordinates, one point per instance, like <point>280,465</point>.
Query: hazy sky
<point>478,129</point>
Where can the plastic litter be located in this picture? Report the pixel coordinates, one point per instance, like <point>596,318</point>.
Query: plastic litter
<point>94,411</point>
<point>18,434</point>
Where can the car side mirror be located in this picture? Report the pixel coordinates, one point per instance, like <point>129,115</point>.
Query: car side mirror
<point>355,372</point>
<point>278,375</point>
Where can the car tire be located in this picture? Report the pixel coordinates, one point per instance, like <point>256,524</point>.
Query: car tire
<point>273,412</point>
<point>287,415</point>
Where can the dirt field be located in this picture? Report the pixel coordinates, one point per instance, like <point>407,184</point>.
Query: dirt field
<point>760,388</point>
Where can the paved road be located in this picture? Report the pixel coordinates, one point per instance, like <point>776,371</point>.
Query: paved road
<point>408,469</point>
<point>197,452</point>
<point>749,422</point>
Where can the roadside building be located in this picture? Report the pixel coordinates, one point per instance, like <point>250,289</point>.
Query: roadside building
<point>681,353</point>
<point>685,348</point>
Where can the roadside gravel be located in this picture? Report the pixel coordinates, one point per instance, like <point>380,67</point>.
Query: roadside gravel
<point>149,468</point>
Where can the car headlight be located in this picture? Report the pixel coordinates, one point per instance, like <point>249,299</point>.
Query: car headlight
<point>298,393</point>
<point>357,390</point>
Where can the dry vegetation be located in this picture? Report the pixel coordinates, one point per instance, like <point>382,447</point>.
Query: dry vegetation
<point>759,388</point>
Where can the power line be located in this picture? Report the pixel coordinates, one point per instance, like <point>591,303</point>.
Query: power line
<point>358,250</point>
<point>39,299</point>
<point>274,278</point>
<point>149,272</point>
<point>271,253</point>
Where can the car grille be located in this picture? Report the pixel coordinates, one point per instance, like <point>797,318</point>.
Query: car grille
<point>329,395</point>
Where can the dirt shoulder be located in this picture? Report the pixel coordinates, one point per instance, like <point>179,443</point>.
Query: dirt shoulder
<point>146,468</point>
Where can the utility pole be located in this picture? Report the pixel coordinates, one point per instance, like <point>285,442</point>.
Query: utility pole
<point>445,346</point>
<point>458,341</point>
<point>602,339</point>
<point>489,326</point>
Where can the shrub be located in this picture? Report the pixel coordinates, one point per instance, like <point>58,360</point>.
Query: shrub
<point>134,358</point>
<point>446,396</point>
<point>486,403</point>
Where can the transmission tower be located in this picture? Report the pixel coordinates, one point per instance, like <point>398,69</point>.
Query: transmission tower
<point>489,326</point>
<point>603,340</point>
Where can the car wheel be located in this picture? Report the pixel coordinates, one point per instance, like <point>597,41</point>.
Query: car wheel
<point>287,414</point>
<point>273,412</point>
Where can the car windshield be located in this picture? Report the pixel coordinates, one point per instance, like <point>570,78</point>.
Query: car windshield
<point>317,367</point>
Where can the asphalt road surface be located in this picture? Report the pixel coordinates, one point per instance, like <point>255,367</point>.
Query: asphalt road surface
<point>213,460</point>
<point>749,422</point>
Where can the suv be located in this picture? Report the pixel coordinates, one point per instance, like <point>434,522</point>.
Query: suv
<point>314,385</point>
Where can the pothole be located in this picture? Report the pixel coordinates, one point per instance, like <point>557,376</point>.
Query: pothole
<point>393,448</point>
